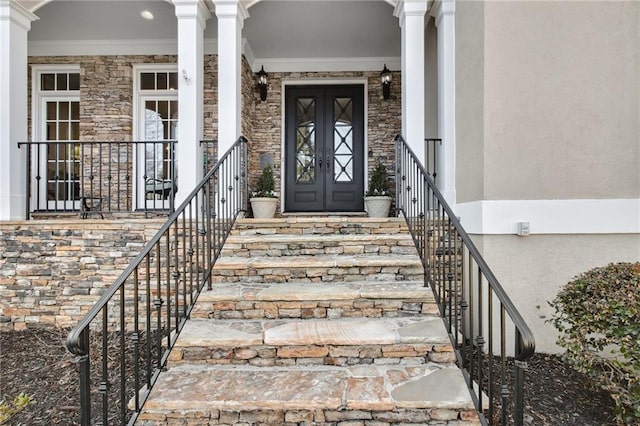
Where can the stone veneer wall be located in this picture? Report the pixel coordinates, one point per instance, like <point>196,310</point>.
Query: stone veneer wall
<point>384,119</point>
<point>106,92</point>
<point>250,96</point>
<point>52,272</point>
<point>106,98</point>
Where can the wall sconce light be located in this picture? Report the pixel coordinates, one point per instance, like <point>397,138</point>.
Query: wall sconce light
<point>261,77</point>
<point>385,77</point>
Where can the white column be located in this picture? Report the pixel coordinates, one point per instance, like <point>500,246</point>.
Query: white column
<point>231,15</point>
<point>411,14</point>
<point>444,13</point>
<point>15,23</point>
<point>192,19</point>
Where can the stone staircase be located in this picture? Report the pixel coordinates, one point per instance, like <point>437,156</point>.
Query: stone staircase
<point>313,321</point>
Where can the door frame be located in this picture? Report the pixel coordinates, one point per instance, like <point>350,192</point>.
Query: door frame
<point>321,82</point>
<point>39,98</point>
<point>139,201</point>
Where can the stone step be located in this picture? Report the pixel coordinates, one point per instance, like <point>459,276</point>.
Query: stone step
<point>266,343</point>
<point>323,226</point>
<point>275,245</point>
<point>315,300</point>
<point>357,395</point>
<point>318,268</point>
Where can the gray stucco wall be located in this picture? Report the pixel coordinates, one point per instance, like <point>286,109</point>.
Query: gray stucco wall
<point>548,97</point>
<point>532,270</point>
<point>469,100</point>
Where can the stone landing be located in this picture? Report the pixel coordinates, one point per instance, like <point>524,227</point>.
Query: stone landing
<point>313,321</point>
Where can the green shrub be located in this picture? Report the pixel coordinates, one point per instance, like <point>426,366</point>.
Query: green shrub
<point>265,186</point>
<point>378,185</point>
<point>598,317</point>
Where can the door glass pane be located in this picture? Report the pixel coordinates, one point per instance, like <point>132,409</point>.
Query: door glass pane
<point>52,110</point>
<point>52,130</point>
<point>343,140</point>
<point>64,111</point>
<point>63,159</point>
<point>305,140</point>
<point>63,131</point>
<point>75,110</point>
<point>161,120</point>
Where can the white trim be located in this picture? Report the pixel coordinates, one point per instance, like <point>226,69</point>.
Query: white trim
<point>170,47</point>
<point>580,216</point>
<point>102,47</point>
<point>319,82</point>
<point>14,12</point>
<point>325,64</point>
<point>444,15</point>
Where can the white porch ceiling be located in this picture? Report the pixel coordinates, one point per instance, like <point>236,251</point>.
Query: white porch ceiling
<point>276,29</point>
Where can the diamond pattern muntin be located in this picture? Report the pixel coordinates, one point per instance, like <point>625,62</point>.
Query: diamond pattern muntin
<point>343,140</point>
<point>305,140</point>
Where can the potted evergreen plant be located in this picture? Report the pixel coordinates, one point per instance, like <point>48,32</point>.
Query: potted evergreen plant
<point>263,199</point>
<point>378,198</point>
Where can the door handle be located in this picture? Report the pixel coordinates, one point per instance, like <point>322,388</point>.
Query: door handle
<point>320,164</point>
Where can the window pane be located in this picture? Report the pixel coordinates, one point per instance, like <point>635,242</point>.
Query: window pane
<point>74,81</point>
<point>162,81</point>
<point>62,81</point>
<point>173,80</point>
<point>64,110</point>
<point>147,81</point>
<point>48,82</point>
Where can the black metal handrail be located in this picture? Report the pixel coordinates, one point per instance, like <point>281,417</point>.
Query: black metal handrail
<point>99,176</point>
<point>431,149</point>
<point>479,316</point>
<point>124,341</point>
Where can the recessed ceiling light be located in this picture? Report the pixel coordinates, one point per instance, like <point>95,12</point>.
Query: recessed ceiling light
<point>146,15</point>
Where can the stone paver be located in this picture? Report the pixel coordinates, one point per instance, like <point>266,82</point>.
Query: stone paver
<point>313,291</point>
<point>300,388</point>
<point>352,331</point>
<point>320,261</point>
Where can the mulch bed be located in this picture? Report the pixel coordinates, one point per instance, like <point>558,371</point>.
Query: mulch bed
<point>36,362</point>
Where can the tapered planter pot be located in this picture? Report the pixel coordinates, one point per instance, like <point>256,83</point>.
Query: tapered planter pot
<point>378,206</point>
<point>263,207</point>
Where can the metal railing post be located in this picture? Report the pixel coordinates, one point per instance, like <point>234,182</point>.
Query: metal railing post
<point>84,368</point>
